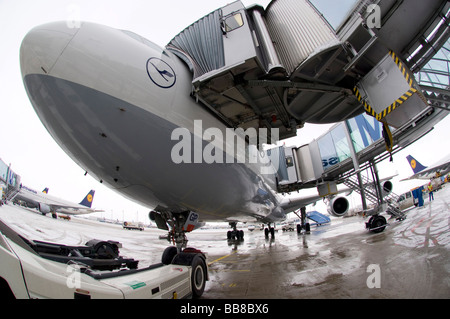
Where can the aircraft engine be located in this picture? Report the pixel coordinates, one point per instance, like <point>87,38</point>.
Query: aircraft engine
<point>338,206</point>
<point>44,209</point>
<point>387,188</point>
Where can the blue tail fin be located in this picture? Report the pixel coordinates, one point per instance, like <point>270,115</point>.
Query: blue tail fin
<point>87,201</point>
<point>415,165</point>
<point>45,190</point>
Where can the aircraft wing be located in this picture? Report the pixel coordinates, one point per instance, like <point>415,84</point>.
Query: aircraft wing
<point>293,203</point>
<point>84,207</point>
<point>73,210</point>
<point>290,204</point>
<point>431,172</point>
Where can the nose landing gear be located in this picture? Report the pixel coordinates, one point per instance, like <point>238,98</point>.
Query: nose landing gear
<point>177,224</point>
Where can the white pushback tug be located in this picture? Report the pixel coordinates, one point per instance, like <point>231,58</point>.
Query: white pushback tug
<point>35,269</point>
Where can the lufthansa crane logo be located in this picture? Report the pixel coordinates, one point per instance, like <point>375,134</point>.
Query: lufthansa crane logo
<point>89,198</point>
<point>413,164</point>
<point>161,73</point>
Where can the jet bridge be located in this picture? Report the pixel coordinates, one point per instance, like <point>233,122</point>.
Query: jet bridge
<point>9,183</point>
<point>283,66</point>
<point>357,145</point>
<point>349,145</point>
<point>345,150</point>
<point>343,153</point>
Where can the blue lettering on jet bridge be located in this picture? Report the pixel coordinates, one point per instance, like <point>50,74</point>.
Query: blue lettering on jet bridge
<point>364,127</point>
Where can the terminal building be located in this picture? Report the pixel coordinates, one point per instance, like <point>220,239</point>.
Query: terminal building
<point>9,182</point>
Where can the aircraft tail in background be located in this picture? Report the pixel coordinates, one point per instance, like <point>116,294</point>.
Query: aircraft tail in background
<point>415,165</point>
<point>87,201</point>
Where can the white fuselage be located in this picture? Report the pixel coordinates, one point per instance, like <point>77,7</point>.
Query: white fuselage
<point>112,100</point>
<point>37,199</point>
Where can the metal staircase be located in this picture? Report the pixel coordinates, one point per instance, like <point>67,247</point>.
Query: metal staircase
<point>433,76</point>
<point>11,193</point>
<point>372,195</point>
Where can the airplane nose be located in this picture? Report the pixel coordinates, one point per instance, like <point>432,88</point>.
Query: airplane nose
<point>42,47</point>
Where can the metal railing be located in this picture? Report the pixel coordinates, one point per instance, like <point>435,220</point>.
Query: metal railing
<point>436,72</point>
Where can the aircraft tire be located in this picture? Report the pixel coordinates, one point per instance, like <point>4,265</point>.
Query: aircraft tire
<point>377,223</point>
<point>307,227</point>
<point>168,255</point>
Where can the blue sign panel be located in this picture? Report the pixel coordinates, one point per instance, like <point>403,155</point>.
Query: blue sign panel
<point>364,131</point>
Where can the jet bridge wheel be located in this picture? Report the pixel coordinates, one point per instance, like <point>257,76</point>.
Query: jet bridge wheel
<point>377,224</point>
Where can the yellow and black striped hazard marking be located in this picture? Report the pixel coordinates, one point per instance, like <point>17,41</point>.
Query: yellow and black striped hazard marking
<point>389,109</point>
<point>402,99</point>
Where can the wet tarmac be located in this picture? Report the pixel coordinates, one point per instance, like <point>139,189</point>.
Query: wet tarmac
<point>344,266</point>
<point>410,259</point>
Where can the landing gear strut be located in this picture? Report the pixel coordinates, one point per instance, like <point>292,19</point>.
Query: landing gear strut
<point>270,230</point>
<point>177,224</point>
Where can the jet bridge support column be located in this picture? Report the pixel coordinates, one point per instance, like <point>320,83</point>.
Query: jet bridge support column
<point>356,166</point>
<point>376,181</point>
<point>363,195</point>
<point>377,223</point>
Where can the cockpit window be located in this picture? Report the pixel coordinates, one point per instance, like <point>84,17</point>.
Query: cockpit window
<point>133,35</point>
<point>143,40</point>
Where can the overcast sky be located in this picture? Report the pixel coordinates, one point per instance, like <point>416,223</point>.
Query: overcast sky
<point>32,152</point>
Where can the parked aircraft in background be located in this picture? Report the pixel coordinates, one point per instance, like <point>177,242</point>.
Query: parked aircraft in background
<point>441,168</point>
<point>50,204</point>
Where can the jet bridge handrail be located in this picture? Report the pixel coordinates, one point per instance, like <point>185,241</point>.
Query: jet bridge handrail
<point>436,73</point>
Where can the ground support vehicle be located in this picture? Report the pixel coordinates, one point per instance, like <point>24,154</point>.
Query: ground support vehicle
<point>133,226</point>
<point>35,269</point>
<point>288,227</point>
